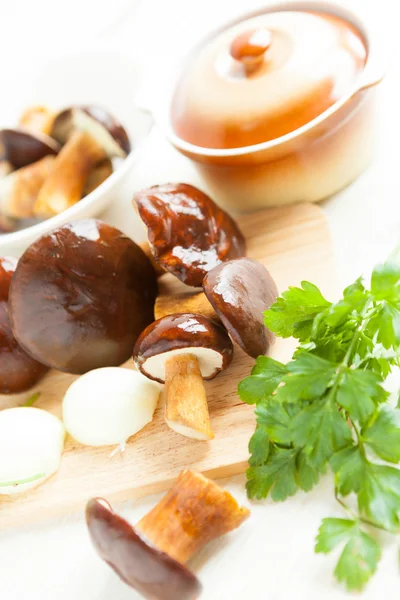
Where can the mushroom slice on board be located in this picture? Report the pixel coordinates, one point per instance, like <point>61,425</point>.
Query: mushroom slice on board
<point>150,556</point>
<point>240,291</point>
<point>19,190</point>
<point>18,371</point>
<point>90,135</point>
<point>188,233</point>
<point>20,147</point>
<point>181,350</point>
<point>80,297</point>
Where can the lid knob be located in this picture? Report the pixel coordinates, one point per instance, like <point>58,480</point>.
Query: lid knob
<point>249,47</point>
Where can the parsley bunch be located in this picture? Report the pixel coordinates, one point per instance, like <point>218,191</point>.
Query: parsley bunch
<point>328,409</point>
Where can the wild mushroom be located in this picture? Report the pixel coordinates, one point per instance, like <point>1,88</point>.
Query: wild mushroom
<point>80,297</point>
<point>90,135</point>
<point>181,350</point>
<point>19,190</point>
<point>18,371</point>
<point>188,233</point>
<point>38,119</point>
<point>19,147</point>
<point>98,174</point>
<point>237,292</point>
<point>240,291</point>
<point>150,557</point>
<point>94,120</point>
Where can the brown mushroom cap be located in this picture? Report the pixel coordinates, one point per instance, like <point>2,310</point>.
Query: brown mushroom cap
<point>21,148</point>
<point>80,297</point>
<point>95,120</point>
<point>18,371</point>
<point>183,333</point>
<point>138,563</point>
<point>240,291</point>
<point>188,233</point>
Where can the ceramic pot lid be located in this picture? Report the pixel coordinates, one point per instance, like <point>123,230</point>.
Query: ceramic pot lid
<point>266,77</point>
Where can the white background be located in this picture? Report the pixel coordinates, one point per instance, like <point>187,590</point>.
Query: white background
<point>271,556</point>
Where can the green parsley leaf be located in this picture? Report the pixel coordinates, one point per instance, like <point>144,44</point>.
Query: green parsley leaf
<point>321,430</point>
<point>359,392</point>
<point>307,474</point>
<point>308,377</point>
<point>349,467</point>
<point>293,313</point>
<point>385,282</point>
<point>383,434</point>
<point>259,446</point>
<point>360,556</point>
<point>385,325</point>
<point>276,419</point>
<point>333,532</point>
<point>264,379</point>
<point>276,476</point>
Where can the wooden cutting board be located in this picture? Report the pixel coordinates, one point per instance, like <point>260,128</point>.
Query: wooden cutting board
<point>294,243</point>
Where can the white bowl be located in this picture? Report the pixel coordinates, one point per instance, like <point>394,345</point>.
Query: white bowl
<point>94,76</point>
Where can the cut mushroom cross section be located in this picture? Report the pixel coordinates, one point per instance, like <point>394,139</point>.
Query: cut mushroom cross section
<point>80,297</point>
<point>150,557</point>
<point>181,350</point>
<point>188,233</point>
<point>18,371</point>
<point>240,291</point>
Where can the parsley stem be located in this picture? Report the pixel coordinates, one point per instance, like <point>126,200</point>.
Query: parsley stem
<point>362,519</point>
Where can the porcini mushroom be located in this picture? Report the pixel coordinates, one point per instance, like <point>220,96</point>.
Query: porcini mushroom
<point>19,147</point>
<point>80,296</point>
<point>19,190</point>
<point>18,371</point>
<point>181,350</point>
<point>188,233</point>
<point>89,135</point>
<point>98,174</point>
<point>94,120</point>
<point>240,291</point>
<point>150,557</point>
<point>38,119</point>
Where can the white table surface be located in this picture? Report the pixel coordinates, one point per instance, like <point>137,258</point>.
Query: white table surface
<point>271,556</point>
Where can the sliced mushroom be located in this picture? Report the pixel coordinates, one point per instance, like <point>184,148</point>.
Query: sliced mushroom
<point>38,119</point>
<point>97,121</point>
<point>188,233</point>
<point>20,147</point>
<point>18,371</point>
<point>19,190</point>
<point>181,350</point>
<point>240,291</point>
<point>150,556</point>
<point>98,174</point>
<point>80,297</point>
<point>89,135</point>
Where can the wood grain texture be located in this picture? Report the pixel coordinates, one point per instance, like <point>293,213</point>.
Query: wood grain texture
<point>294,243</point>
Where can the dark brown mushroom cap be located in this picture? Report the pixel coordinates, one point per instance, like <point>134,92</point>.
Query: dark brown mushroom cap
<point>240,291</point>
<point>21,148</point>
<point>18,371</point>
<point>80,297</point>
<point>183,333</point>
<point>188,233</point>
<point>138,563</point>
<point>64,123</point>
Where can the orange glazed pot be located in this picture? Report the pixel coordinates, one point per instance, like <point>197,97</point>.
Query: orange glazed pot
<point>278,106</point>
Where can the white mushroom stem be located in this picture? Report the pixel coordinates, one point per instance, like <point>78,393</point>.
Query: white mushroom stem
<point>19,190</point>
<point>186,408</point>
<point>64,186</point>
<point>5,168</point>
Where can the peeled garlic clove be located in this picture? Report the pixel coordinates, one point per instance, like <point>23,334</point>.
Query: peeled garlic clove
<point>31,445</point>
<point>107,406</point>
